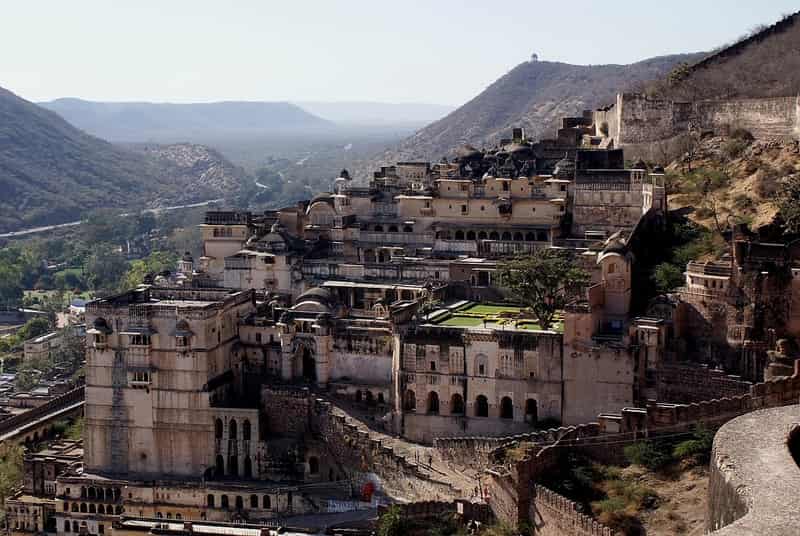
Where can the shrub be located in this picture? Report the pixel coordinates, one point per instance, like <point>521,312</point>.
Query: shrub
<point>667,277</point>
<point>742,134</point>
<point>698,448</point>
<point>733,148</point>
<point>649,454</point>
<point>392,523</point>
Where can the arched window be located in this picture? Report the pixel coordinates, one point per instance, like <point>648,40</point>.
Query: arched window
<point>239,502</point>
<point>101,509</point>
<point>210,500</point>
<point>531,411</point>
<point>246,430</point>
<point>481,365</point>
<point>248,467</point>
<point>410,401</point>
<point>232,429</point>
<point>470,235</point>
<point>379,228</point>
<point>481,235</point>
<point>66,507</point>
<point>433,403</point>
<point>517,237</point>
<point>92,493</point>
<point>233,465</point>
<point>408,229</point>
<point>359,395</point>
<point>530,237</point>
<point>66,525</point>
<point>219,469</point>
<point>459,235</point>
<point>406,294</point>
<point>92,509</point>
<point>381,400</point>
<point>224,501</point>
<point>494,235</point>
<point>481,406</point>
<point>218,428</point>
<point>74,526</point>
<point>74,507</point>
<point>265,502</point>
<point>541,236</point>
<point>506,236</point>
<point>313,465</point>
<point>393,228</point>
<point>370,398</point>
<point>506,408</point>
<point>83,508</point>
<point>253,501</point>
<point>456,404</point>
<point>118,510</point>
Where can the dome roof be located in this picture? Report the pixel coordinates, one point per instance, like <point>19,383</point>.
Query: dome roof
<point>518,149</point>
<point>317,294</point>
<point>187,257</point>
<point>639,164</point>
<point>565,168</point>
<point>468,152</point>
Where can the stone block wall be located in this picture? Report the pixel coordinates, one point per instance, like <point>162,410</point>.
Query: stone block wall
<point>637,118</point>
<point>554,515</point>
<point>683,383</point>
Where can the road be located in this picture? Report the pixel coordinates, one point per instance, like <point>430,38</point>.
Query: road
<point>46,228</point>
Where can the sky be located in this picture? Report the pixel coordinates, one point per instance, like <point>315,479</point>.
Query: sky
<point>430,51</point>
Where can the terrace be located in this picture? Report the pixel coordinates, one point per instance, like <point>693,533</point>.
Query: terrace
<point>490,316</point>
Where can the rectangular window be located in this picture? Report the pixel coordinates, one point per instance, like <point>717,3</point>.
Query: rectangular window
<point>433,365</point>
<point>258,337</point>
<point>463,209</point>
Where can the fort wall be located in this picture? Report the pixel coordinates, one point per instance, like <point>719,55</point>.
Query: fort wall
<point>636,118</point>
<point>684,383</point>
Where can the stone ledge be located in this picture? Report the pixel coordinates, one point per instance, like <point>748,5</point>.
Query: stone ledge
<point>755,482</point>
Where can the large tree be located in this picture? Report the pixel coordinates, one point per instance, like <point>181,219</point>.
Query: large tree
<point>789,204</point>
<point>545,281</point>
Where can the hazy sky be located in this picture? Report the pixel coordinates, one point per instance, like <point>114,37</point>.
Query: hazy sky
<point>437,51</point>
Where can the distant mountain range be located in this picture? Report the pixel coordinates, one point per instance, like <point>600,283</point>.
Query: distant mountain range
<point>52,172</point>
<point>170,123</point>
<point>378,113</point>
<point>533,95</point>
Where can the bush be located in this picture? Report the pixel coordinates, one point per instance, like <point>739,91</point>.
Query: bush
<point>667,277</point>
<point>742,134</point>
<point>649,454</point>
<point>392,523</point>
<point>733,148</point>
<point>697,449</point>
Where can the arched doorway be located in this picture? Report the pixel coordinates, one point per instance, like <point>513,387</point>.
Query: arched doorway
<point>531,411</point>
<point>305,366</point>
<point>506,408</point>
<point>481,406</point>
<point>456,404</point>
<point>433,403</point>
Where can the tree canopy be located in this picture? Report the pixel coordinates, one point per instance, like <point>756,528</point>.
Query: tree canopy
<point>545,281</point>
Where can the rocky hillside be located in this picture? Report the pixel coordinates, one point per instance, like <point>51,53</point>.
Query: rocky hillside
<point>171,123</point>
<point>765,63</point>
<point>733,176</point>
<point>51,172</point>
<point>534,95</point>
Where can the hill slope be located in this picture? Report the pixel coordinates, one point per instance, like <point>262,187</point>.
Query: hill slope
<point>169,123</point>
<point>51,172</point>
<point>378,113</point>
<point>534,95</point>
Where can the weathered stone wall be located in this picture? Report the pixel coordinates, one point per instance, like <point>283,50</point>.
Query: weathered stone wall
<point>554,515</point>
<point>640,119</point>
<point>684,383</point>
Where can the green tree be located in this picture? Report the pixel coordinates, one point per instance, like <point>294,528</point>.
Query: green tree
<point>104,268</point>
<point>11,457</point>
<point>667,277</point>
<point>33,328</point>
<point>11,288</point>
<point>545,281</point>
<point>392,523</point>
<point>157,261</point>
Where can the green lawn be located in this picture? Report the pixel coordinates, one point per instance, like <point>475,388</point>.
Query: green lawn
<point>462,322</point>
<point>481,309</point>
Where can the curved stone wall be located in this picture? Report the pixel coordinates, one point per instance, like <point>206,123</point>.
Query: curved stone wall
<point>754,484</point>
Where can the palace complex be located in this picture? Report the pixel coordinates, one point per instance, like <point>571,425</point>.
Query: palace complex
<point>323,348</point>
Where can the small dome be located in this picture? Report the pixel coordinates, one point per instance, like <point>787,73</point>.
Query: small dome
<point>345,174</point>
<point>187,257</point>
<point>468,152</point>
<point>518,149</point>
<point>317,294</point>
<point>565,168</point>
<point>658,170</point>
<point>639,164</point>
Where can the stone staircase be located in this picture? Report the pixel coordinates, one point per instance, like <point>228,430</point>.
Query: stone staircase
<point>409,471</point>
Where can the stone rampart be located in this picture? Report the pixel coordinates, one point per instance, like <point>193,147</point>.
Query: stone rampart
<point>636,118</point>
<point>552,514</point>
<point>684,383</point>
<point>429,509</point>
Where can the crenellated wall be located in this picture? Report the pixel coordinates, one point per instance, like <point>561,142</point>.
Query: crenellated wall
<point>552,514</point>
<point>684,383</point>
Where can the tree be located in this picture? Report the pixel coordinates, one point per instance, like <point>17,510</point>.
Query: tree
<point>392,522</point>
<point>105,268</point>
<point>11,289</point>
<point>789,204</point>
<point>667,277</point>
<point>33,328</point>
<point>545,281</point>
<point>11,457</point>
<point>157,261</point>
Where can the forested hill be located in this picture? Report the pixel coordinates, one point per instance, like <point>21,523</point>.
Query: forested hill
<point>534,95</point>
<point>51,172</point>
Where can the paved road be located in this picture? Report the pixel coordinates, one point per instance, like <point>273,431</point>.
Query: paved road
<point>46,228</point>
